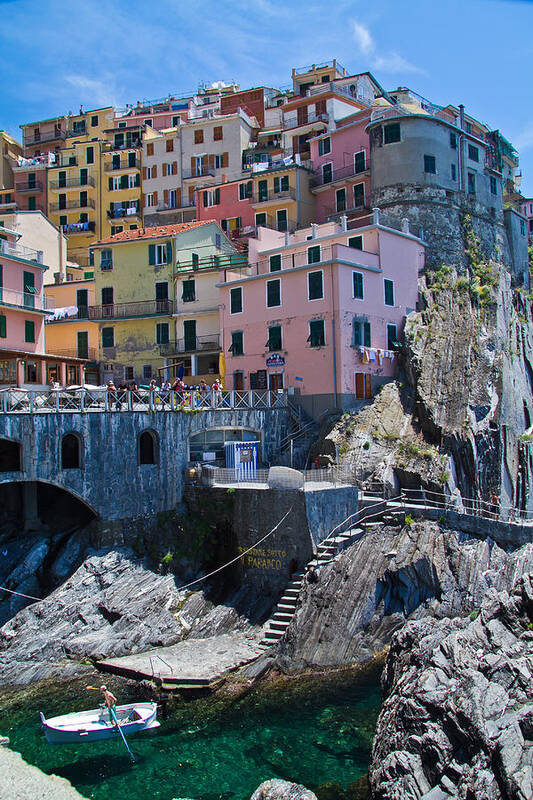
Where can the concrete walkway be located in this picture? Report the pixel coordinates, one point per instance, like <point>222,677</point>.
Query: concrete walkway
<point>21,781</point>
<point>194,663</point>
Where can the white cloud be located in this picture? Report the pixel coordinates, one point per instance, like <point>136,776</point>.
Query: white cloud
<point>384,61</point>
<point>524,139</point>
<point>363,38</point>
<point>101,92</point>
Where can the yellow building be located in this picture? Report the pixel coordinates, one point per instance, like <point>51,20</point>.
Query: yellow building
<point>121,164</point>
<point>282,198</point>
<point>70,332</point>
<point>157,301</point>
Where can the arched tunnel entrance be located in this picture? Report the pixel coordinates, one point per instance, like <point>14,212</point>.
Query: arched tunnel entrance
<point>35,505</point>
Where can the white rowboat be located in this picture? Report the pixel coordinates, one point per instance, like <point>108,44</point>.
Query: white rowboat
<point>95,725</point>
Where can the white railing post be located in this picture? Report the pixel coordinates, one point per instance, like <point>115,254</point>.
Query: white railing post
<point>232,398</point>
<point>32,400</point>
<point>106,402</point>
<point>130,400</point>
<point>82,400</point>
<point>250,398</point>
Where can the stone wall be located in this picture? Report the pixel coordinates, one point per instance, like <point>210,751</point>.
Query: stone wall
<point>111,481</point>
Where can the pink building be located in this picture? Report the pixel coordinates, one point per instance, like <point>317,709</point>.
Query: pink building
<point>342,168</point>
<point>23,307</point>
<point>320,311</point>
<point>230,205</point>
<point>526,207</point>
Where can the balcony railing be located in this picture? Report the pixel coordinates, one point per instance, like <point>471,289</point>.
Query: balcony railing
<point>335,213</point>
<point>31,186</point>
<point>70,204</point>
<point>51,136</point>
<point>208,344</point>
<point>120,213</point>
<point>70,182</point>
<point>78,227</point>
<point>26,300</point>
<point>132,144</point>
<point>61,315</point>
<point>212,262</point>
<point>64,162</point>
<point>20,251</point>
<point>34,162</point>
<point>267,197</point>
<point>202,172</point>
<point>176,206</point>
<point>144,308</point>
<point>294,122</point>
<point>81,131</point>
<point>349,171</point>
<point>89,353</point>
<point>123,165</point>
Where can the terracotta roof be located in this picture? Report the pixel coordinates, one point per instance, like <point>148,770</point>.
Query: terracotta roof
<point>154,233</point>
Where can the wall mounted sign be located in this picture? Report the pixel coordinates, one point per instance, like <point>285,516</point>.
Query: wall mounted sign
<point>275,360</point>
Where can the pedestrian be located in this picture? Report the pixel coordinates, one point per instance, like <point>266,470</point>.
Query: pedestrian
<point>216,391</point>
<point>494,503</point>
<point>110,701</point>
<point>111,394</point>
<point>165,391</point>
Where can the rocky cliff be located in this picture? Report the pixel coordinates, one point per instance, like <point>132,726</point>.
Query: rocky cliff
<point>457,717</point>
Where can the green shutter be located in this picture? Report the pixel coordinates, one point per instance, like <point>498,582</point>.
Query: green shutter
<point>356,242</point>
<point>137,180</point>
<point>313,254</point>
<point>123,181</point>
<point>3,327</point>
<point>169,252</point>
<point>315,286</point>
<point>236,300</point>
<point>275,263</point>
<point>205,199</point>
<point>29,331</point>
<point>217,197</point>
<point>356,333</point>
<point>237,344</point>
<point>285,183</point>
<point>110,184</point>
<point>151,253</point>
<point>366,327</point>
<point>274,338</point>
<point>273,293</point>
<point>358,285</point>
<point>108,337</point>
<point>389,292</point>
<point>316,333</point>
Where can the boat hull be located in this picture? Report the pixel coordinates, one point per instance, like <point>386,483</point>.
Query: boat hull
<point>94,725</point>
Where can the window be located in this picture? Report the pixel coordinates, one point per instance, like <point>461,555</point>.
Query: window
<point>198,136</point>
<point>313,254</point>
<point>147,372</point>
<point>149,122</point>
<point>453,141</point>
<point>356,242</point>
<point>358,291</point>
<point>148,450</point>
<point>281,184</point>
<point>273,293</point>
<point>324,146</point>
<point>392,337</point>
<point>317,333</point>
<point>3,326</point>
<point>89,155</point>
<point>82,341</point>
<point>469,127</point>
<point>473,153</point>
<point>235,300</point>
<point>212,198</point>
<point>391,133</point>
<point>453,170</point>
<point>108,337</point>
<point>282,223</point>
<point>62,219</point>
<point>162,333</point>
<point>359,195</point>
<point>218,161</point>
<point>188,291</point>
<point>217,133</point>
<point>389,292</point>
<point>471,183</point>
<point>149,200</point>
<point>116,229</point>
<point>195,261</point>
<point>170,145</point>
<point>315,285</point>
<point>274,338</point>
<point>160,253</point>
<point>262,191</point>
<point>32,203</point>
<point>106,259</point>
<point>70,451</point>
<point>260,219</point>
<point>94,121</point>
<point>361,333</point>
<point>340,199</point>
<point>522,227</point>
<point>175,121</point>
<point>132,159</point>
<point>29,331</point>
<point>237,345</point>
<point>245,190</point>
<point>327,172</point>
<point>430,164</point>
<point>275,263</point>
<point>129,373</point>
<point>493,185</point>
<point>359,160</point>
<point>150,149</point>
<point>107,295</point>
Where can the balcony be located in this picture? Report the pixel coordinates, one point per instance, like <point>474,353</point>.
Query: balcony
<point>144,308</point>
<point>62,316</point>
<point>12,203</point>
<point>343,173</point>
<point>212,262</point>
<point>40,138</point>
<point>81,131</point>
<point>89,354</point>
<point>176,206</point>
<point>25,300</point>
<point>269,197</point>
<point>64,162</point>
<point>71,183</point>
<point>202,172</point>
<point>73,228</point>
<point>328,253</point>
<point>278,225</point>
<point>210,343</point>
<point>71,205</point>
<point>120,213</point>
<point>123,165</point>
<point>31,186</point>
<point>333,214</point>
<point>19,251</point>
<point>131,144</point>
<point>294,122</point>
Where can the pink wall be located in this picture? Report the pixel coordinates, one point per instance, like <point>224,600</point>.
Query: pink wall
<point>229,207</point>
<point>386,255</point>
<point>12,293</point>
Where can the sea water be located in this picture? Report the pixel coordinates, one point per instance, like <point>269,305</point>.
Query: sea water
<point>317,732</point>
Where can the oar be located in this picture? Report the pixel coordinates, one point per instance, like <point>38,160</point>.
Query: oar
<point>112,712</point>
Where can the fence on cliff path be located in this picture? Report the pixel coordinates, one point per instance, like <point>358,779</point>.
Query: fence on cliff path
<point>226,476</point>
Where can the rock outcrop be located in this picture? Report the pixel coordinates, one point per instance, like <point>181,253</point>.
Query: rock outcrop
<point>22,781</point>
<point>457,717</point>
<point>389,576</point>
<point>277,789</point>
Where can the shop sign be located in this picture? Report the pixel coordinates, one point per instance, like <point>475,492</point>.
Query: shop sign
<point>275,360</point>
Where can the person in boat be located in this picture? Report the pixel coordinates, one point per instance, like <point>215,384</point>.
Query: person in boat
<point>110,701</point>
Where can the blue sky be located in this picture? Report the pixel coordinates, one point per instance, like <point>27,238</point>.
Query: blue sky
<point>56,55</point>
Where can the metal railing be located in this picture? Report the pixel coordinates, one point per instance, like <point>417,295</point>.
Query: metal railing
<point>131,144</point>
<point>208,343</point>
<point>221,261</point>
<point>70,204</point>
<point>265,197</point>
<point>30,186</point>
<point>300,258</point>
<point>222,476</point>
<point>89,354</point>
<point>342,173</point>
<point>197,173</point>
<point>142,308</point>
<point>20,251</point>
<point>466,505</point>
<point>44,137</point>
<point>123,165</point>
<point>70,182</point>
<point>26,300</point>
<point>177,206</point>
<point>292,122</point>
<point>120,213</point>
<point>80,399</point>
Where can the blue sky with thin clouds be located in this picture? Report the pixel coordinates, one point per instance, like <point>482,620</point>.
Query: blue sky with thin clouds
<point>56,56</point>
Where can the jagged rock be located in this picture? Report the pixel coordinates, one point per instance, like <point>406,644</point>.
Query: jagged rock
<point>390,575</point>
<point>276,789</point>
<point>457,716</point>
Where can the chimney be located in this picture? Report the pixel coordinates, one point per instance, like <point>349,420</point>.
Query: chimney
<point>375,216</point>
<point>287,239</point>
<point>314,228</point>
<point>344,223</point>
<point>405,225</point>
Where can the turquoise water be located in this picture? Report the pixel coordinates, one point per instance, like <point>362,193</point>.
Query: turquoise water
<point>315,732</point>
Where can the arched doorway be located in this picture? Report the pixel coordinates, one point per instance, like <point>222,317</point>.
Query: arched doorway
<point>148,448</point>
<point>10,455</point>
<point>71,451</point>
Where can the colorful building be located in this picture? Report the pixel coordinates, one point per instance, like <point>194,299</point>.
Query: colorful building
<point>10,150</point>
<point>157,302</point>
<point>37,232</point>
<point>24,361</point>
<point>320,312</point>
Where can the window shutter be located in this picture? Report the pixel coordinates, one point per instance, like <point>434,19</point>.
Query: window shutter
<point>225,159</point>
<point>165,196</point>
<point>110,184</point>
<point>217,197</point>
<point>151,253</point>
<point>316,291</point>
<point>154,171</point>
<point>143,200</point>
<point>169,252</point>
<point>3,327</point>
<point>366,327</point>
<point>211,161</point>
<point>155,198</point>
<point>164,170</point>
<point>178,198</point>
<point>123,181</point>
<point>193,165</point>
<point>389,292</point>
<point>137,180</point>
<point>205,199</point>
<point>144,173</point>
<point>276,185</point>
<point>174,167</point>
<point>358,285</point>
<point>356,333</point>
